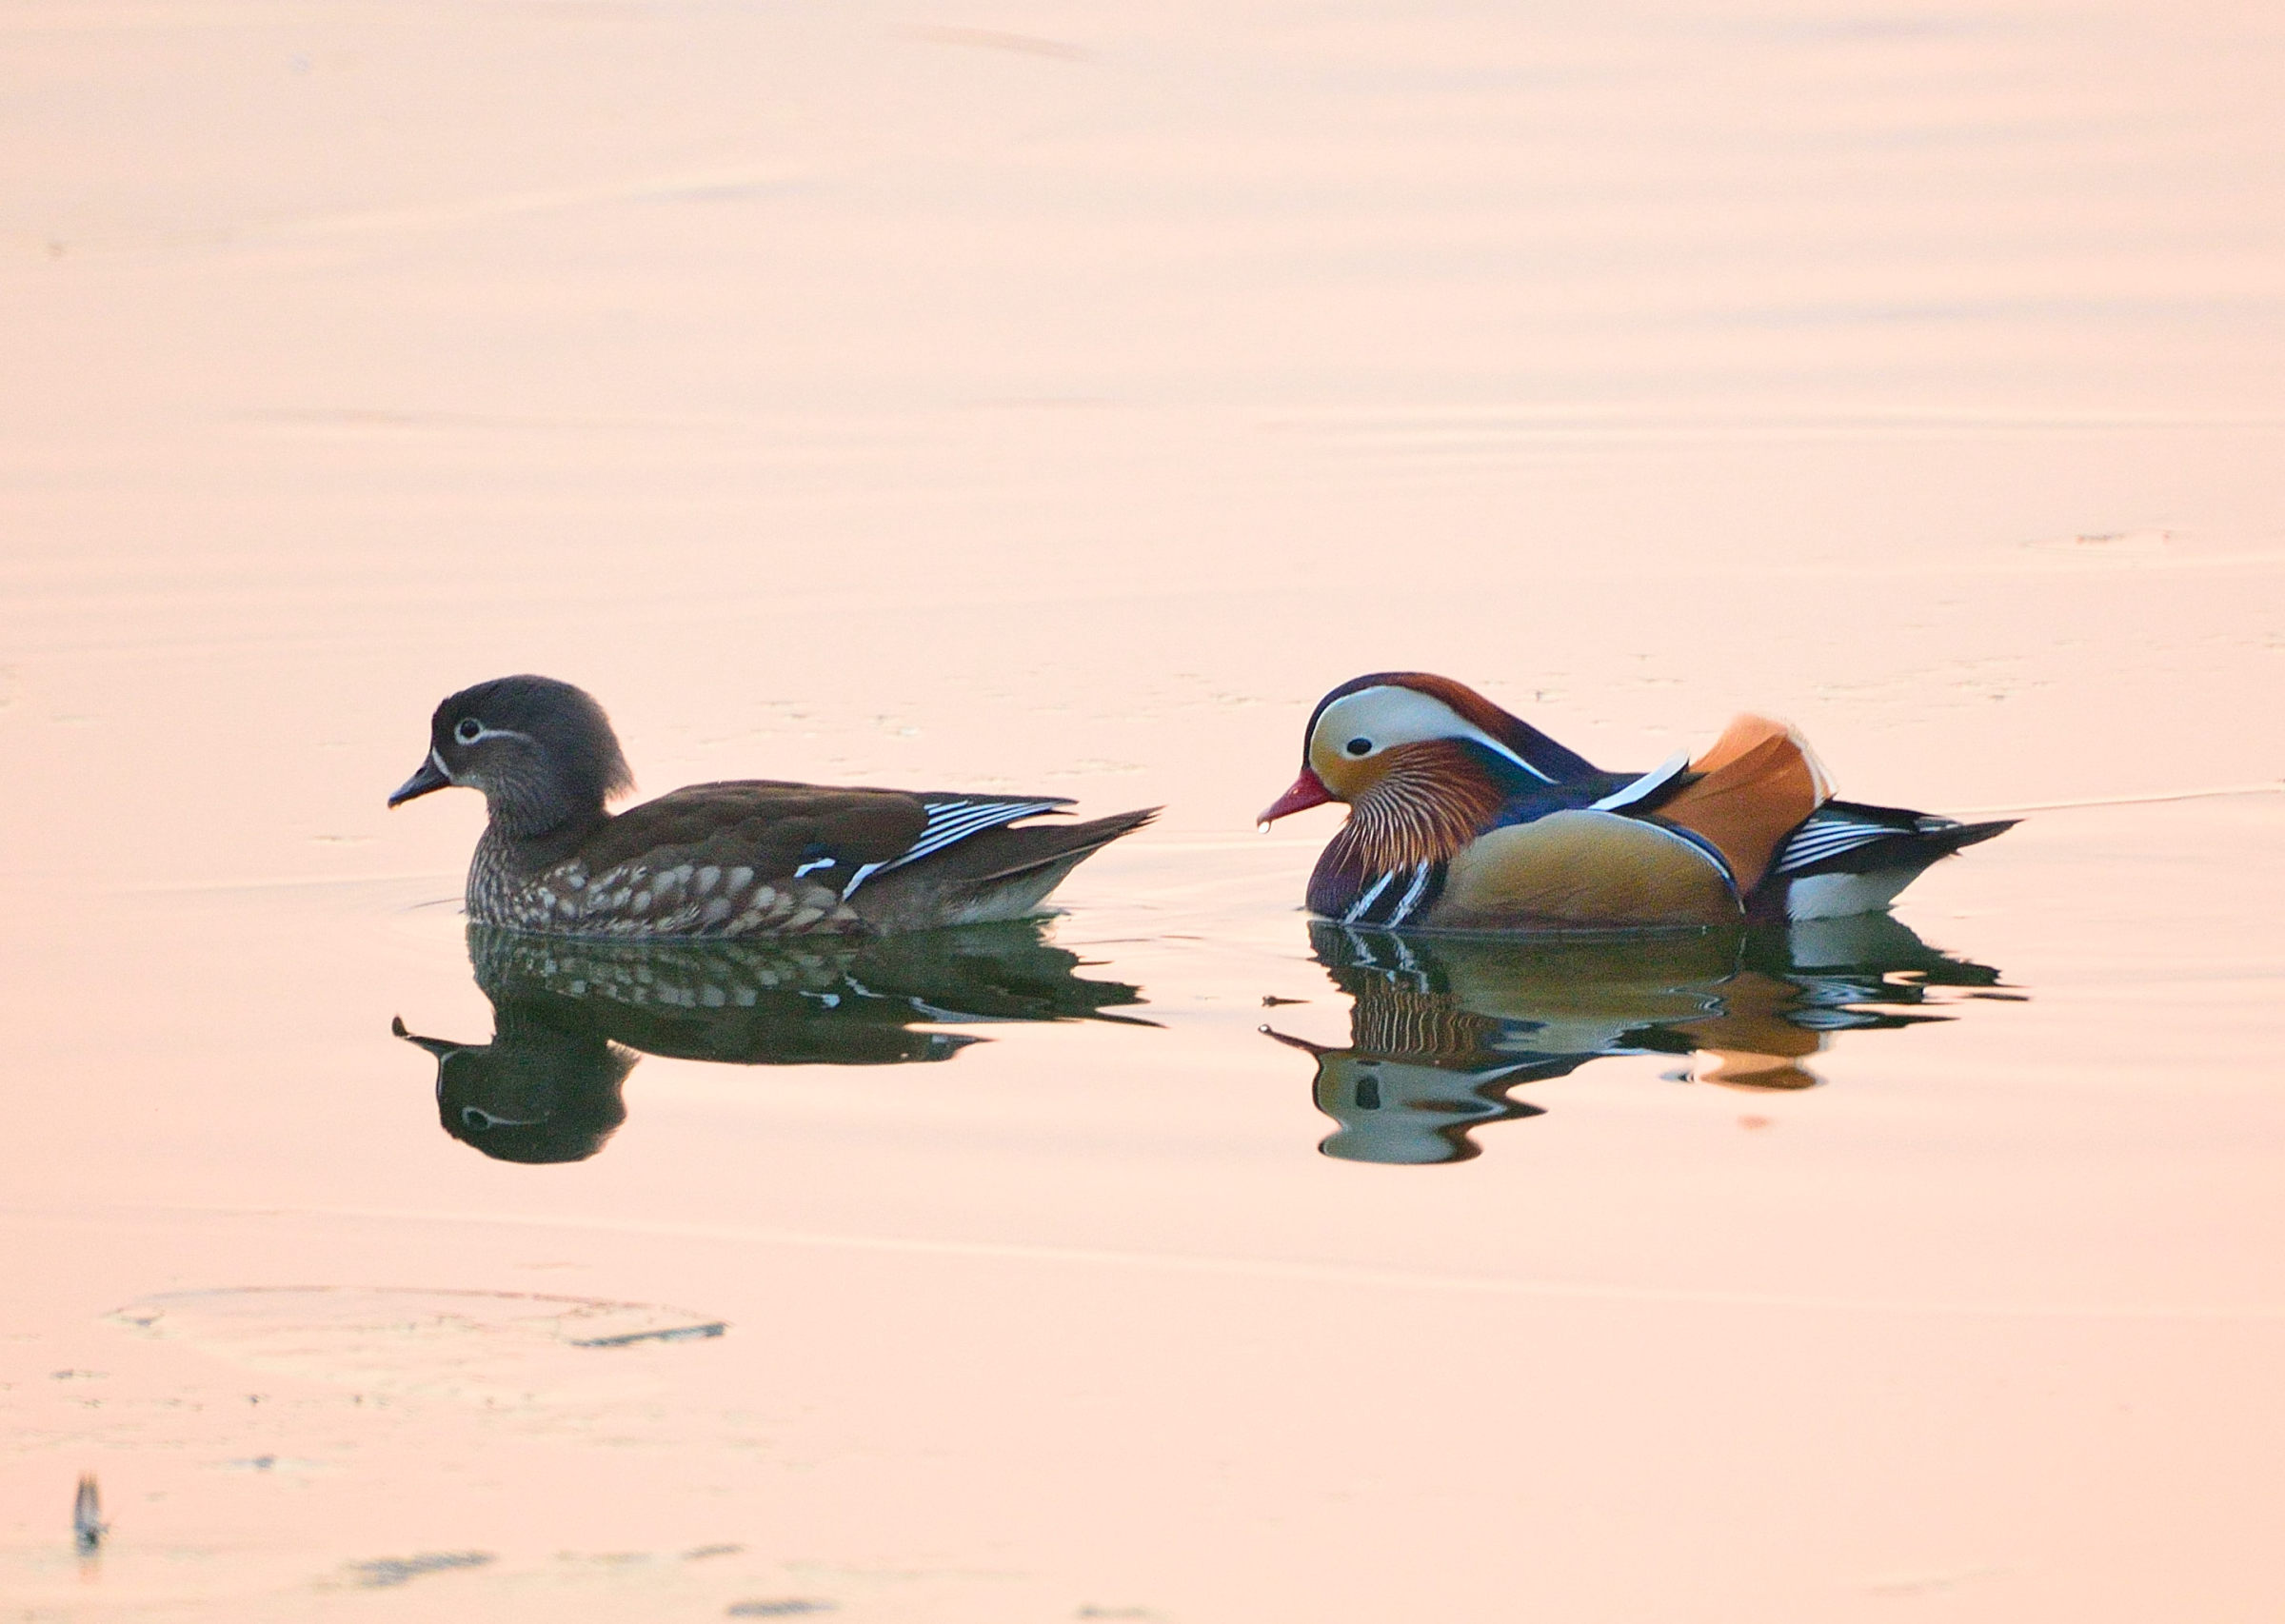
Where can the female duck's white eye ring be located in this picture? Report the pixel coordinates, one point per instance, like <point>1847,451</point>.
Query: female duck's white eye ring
<point>1359,746</point>
<point>469,731</point>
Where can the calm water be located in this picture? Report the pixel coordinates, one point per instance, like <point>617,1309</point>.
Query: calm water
<point>1035,400</point>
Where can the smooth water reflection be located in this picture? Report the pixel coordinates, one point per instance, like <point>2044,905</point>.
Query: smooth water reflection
<point>1442,1028</point>
<point>572,1017</point>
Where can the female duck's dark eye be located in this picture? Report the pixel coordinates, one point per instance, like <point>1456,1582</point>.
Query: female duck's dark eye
<point>469,731</point>
<point>1359,746</point>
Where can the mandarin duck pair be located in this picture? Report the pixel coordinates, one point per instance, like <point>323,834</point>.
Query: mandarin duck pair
<point>1461,818</point>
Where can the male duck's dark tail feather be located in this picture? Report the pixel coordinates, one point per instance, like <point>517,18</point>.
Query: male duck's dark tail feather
<point>1851,857</point>
<point>996,874</point>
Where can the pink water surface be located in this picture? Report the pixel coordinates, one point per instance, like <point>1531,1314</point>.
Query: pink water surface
<point>1058,399</point>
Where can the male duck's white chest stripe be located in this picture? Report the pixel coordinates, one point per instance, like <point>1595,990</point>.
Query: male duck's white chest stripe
<point>1411,898</point>
<point>1370,896</point>
<point>1406,900</point>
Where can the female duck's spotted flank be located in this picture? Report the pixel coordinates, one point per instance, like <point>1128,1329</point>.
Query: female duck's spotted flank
<point>753,857</point>
<point>1463,816</point>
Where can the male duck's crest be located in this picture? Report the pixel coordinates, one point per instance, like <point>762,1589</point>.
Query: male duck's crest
<point>746,857</point>
<point>1374,725</point>
<point>1464,816</point>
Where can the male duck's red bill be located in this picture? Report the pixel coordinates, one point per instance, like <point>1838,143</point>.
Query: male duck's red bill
<point>1463,816</point>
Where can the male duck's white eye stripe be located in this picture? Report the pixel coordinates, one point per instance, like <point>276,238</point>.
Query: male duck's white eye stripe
<point>1396,714</point>
<point>1649,784</point>
<point>1370,897</point>
<point>1485,738</point>
<point>1402,911</point>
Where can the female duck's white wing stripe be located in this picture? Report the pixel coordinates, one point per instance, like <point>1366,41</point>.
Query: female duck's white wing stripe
<point>1649,784</point>
<point>950,822</point>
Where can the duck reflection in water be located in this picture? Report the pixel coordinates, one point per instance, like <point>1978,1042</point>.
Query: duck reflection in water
<point>1444,1027</point>
<point>571,1017</point>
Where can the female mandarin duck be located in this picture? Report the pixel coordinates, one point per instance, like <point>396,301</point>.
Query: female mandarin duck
<point>1463,816</point>
<point>750,857</point>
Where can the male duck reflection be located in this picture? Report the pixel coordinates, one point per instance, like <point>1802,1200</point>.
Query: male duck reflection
<point>1463,816</point>
<point>748,858</point>
<point>571,1018</point>
<point>1443,1027</point>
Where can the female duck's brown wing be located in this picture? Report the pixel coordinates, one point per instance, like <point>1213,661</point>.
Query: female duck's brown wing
<point>762,856</point>
<point>774,828</point>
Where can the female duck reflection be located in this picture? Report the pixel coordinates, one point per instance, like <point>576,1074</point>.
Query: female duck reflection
<point>1444,1027</point>
<point>572,1016</point>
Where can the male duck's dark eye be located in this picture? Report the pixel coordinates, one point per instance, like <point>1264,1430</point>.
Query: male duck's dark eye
<point>469,731</point>
<point>1359,746</point>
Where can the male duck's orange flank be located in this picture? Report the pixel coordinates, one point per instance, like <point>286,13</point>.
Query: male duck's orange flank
<point>1463,816</point>
<point>751,858</point>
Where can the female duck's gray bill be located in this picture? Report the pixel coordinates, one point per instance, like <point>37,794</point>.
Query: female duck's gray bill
<point>429,776</point>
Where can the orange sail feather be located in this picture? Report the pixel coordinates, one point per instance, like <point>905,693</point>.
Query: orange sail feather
<point>1754,787</point>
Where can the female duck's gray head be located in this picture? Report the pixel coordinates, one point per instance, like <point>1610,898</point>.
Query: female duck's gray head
<point>542,752</point>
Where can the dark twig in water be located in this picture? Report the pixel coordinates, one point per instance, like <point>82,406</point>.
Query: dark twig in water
<point>391,1570</point>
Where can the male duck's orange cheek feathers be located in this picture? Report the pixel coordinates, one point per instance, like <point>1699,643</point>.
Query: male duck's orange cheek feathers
<point>1351,779</point>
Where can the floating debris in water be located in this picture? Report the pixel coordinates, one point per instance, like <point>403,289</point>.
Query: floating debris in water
<point>390,1571</point>
<point>672,1334</point>
<point>699,1552</point>
<point>88,1527</point>
<point>785,1608</point>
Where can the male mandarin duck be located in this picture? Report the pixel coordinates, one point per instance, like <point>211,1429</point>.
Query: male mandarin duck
<point>748,858</point>
<point>1463,816</point>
